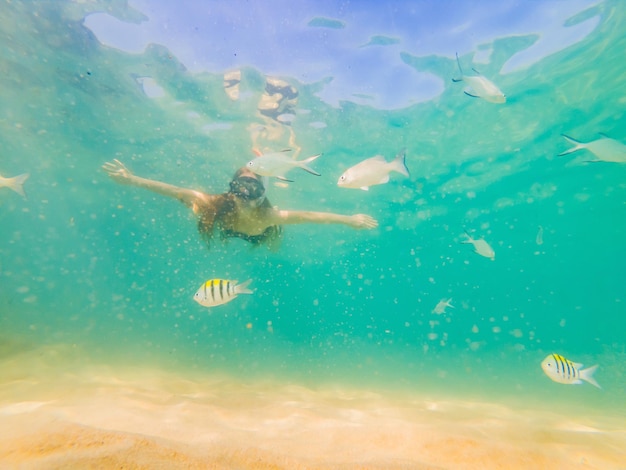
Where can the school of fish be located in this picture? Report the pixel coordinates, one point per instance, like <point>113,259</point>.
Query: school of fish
<point>376,171</point>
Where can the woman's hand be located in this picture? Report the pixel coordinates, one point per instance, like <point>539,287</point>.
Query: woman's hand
<point>362,221</point>
<point>118,172</point>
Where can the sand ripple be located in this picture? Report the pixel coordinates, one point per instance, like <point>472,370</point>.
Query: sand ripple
<point>105,417</point>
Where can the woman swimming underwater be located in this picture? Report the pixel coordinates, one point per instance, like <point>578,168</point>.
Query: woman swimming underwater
<point>243,211</point>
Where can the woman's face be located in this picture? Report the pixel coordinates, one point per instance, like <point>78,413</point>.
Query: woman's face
<point>248,190</point>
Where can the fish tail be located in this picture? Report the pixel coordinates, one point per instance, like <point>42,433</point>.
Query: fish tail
<point>587,374</point>
<point>469,237</point>
<point>399,164</point>
<point>304,164</point>
<point>577,145</point>
<point>17,183</point>
<point>243,288</point>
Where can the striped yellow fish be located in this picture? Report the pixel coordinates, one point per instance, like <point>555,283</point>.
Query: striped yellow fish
<point>564,371</point>
<point>220,291</point>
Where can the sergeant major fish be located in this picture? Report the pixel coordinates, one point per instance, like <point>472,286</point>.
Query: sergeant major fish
<point>373,171</point>
<point>220,291</point>
<point>480,86</point>
<point>564,371</point>
<point>16,183</point>
<point>605,149</point>
<point>481,247</point>
<point>277,164</point>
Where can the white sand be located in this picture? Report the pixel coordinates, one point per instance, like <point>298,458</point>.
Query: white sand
<point>60,414</point>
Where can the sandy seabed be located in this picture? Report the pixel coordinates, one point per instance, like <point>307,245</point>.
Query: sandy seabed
<point>55,415</point>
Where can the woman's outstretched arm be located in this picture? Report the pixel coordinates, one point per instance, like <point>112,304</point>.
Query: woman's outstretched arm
<point>119,173</point>
<point>358,221</point>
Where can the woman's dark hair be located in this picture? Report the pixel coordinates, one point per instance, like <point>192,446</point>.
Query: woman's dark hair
<point>247,186</point>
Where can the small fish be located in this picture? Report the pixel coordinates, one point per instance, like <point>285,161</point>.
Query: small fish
<point>564,371</point>
<point>605,149</point>
<point>481,247</point>
<point>220,291</point>
<point>373,171</point>
<point>277,164</point>
<point>481,87</point>
<point>16,183</point>
<point>539,237</point>
<point>442,305</point>
<point>286,118</point>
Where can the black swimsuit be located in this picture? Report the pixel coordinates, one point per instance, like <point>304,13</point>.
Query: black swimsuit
<point>254,239</point>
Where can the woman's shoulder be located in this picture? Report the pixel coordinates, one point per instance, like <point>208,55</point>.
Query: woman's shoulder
<point>203,202</point>
<point>273,215</point>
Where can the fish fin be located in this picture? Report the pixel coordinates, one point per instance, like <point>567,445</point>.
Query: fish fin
<point>282,178</point>
<point>17,183</point>
<point>365,188</point>
<point>399,164</point>
<point>286,150</point>
<point>456,80</point>
<point>384,179</point>
<point>476,71</point>
<point>587,374</point>
<point>257,152</point>
<point>469,237</point>
<point>458,62</point>
<point>310,170</point>
<point>303,164</point>
<point>577,145</point>
<point>604,135</point>
<point>243,288</point>
<point>469,94</point>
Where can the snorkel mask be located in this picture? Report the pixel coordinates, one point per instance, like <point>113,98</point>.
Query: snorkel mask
<point>248,188</point>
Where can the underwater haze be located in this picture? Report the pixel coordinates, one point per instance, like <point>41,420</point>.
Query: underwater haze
<point>404,346</point>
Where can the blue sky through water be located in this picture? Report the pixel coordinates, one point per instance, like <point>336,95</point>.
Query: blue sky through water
<point>357,44</point>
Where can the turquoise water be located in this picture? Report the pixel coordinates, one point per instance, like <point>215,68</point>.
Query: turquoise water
<point>110,271</point>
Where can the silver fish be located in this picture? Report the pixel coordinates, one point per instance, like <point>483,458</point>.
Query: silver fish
<point>539,237</point>
<point>480,86</point>
<point>277,164</point>
<point>605,149</point>
<point>442,305</point>
<point>372,171</point>
<point>481,247</point>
